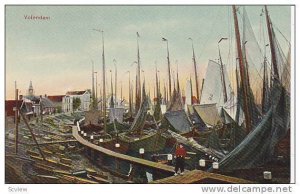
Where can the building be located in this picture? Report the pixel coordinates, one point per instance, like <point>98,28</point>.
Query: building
<point>37,104</point>
<point>10,107</point>
<point>68,99</point>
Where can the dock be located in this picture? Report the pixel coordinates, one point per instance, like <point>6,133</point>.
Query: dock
<point>198,176</point>
<point>129,159</point>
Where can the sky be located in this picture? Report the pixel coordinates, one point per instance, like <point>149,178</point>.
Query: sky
<point>57,54</point>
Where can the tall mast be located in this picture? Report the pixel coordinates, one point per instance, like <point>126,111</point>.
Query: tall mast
<point>272,46</point>
<point>116,79</point>
<point>247,80</point>
<point>138,77</point>
<point>222,72</point>
<point>237,77</point>
<point>104,90</point>
<point>156,81</point>
<point>112,104</point>
<point>131,98</point>
<point>196,72</point>
<point>177,79</point>
<point>265,84</point>
<point>165,93</point>
<point>192,91</point>
<point>101,103</point>
<point>169,66</point>
<point>201,89</point>
<point>93,86</point>
<point>121,93</point>
<point>129,94</point>
<point>242,69</point>
<point>16,119</point>
<point>96,91</point>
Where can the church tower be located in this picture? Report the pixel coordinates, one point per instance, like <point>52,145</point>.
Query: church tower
<point>30,89</point>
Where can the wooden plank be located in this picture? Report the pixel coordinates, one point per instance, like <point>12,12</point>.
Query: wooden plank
<point>53,142</point>
<point>198,176</point>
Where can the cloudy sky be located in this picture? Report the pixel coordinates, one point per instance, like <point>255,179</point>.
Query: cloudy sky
<point>56,54</point>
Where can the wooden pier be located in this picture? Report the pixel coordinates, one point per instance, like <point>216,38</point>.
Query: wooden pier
<point>129,159</point>
<point>198,176</point>
<point>190,177</point>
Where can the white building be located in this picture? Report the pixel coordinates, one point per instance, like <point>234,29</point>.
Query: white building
<point>85,99</point>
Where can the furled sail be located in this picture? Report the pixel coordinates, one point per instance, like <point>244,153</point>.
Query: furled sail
<point>178,121</point>
<point>258,147</point>
<point>208,113</point>
<point>140,118</point>
<point>176,101</point>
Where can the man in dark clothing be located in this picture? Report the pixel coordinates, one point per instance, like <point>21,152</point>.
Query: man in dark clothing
<point>180,156</point>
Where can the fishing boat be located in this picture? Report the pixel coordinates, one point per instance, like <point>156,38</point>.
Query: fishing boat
<point>263,136</point>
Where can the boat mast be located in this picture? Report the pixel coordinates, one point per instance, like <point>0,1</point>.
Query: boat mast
<point>96,91</point>
<point>138,77</point>
<point>112,104</point>
<point>100,100</point>
<point>169,68</point>
<point>156,81</point>
<point>121,93</point>
<point>131,87</point>
<point>242,70</point>
<point>104,90</point>
<point>196,72</point>
<point>165,93</point>
<point>272,46</point>
<point>129,94</point>
<point>93,87</point>
<point>201,89</point>
<point>192,90</point>
<point>265,84</point>
<point>116,80</point>
<point>222,72</point>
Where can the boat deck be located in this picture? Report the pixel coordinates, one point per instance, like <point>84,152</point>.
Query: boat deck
<point>198,176</point>
<point>132,160</point>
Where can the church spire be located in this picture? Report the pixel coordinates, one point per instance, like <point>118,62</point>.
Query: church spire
<point>30,89</point>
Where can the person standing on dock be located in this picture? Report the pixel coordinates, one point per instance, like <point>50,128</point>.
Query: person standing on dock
<point>180,157</point>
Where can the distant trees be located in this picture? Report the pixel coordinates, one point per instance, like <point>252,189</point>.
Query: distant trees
<point>59,109</point>
<point>76,103</point>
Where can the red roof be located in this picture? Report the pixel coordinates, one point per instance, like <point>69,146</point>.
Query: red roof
<point>76,92</point>
<point>10,104</point>
<point>57,98</point>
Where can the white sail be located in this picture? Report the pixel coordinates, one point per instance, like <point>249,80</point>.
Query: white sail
<point>213,92</point>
